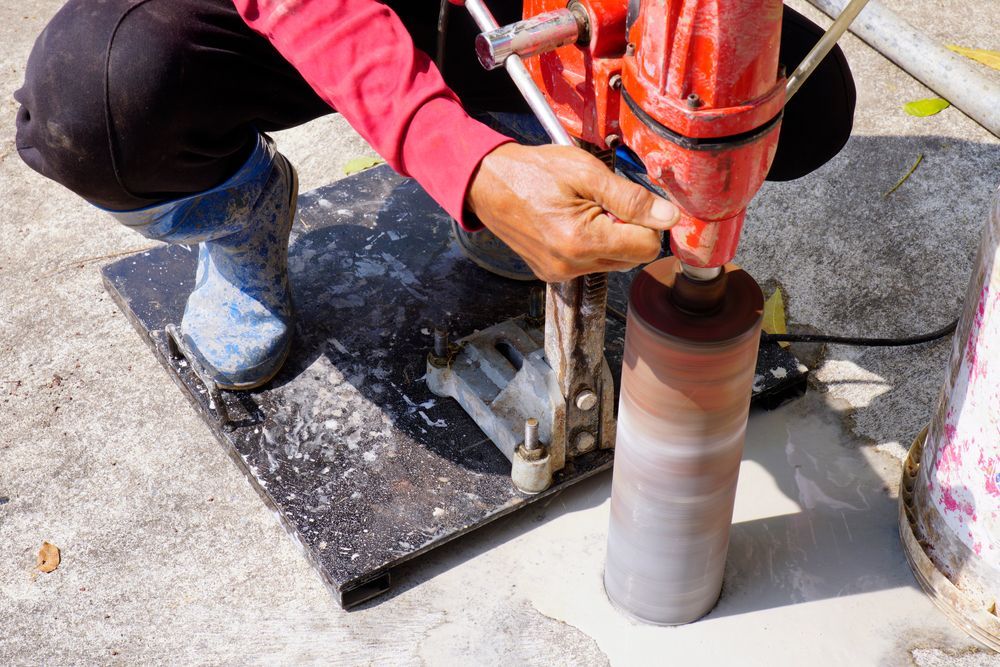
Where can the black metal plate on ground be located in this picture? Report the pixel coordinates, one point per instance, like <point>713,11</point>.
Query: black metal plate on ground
<point>364,466</point>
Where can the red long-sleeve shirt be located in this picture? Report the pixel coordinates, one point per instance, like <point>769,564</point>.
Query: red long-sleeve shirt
<point>358,56</point>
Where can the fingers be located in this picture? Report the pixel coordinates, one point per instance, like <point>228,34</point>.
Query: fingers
<point>599,246</point>
<point>629,202</point>
<point>615,241</point>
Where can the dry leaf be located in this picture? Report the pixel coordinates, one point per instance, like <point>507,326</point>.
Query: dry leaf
<point>920,158</point>
<point>48,558</point>
<point>984,56</point>
<point>927,107</point>
<point>774,315</point>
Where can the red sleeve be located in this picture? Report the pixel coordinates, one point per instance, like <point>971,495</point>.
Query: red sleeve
<point>359,57</point>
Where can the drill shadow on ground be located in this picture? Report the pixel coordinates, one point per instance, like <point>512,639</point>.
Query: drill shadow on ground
<point>824,521</point>
<point>833,531</point>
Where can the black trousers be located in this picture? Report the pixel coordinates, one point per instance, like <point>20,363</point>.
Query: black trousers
<point>134,102</point>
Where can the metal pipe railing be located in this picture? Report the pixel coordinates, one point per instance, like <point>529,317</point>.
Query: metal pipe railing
<point>823,47</point>
<point>951,76</point>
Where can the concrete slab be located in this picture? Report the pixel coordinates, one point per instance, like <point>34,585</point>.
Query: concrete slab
<point>168,556</point>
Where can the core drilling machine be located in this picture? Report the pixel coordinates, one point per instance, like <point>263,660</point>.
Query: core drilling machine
<point>695,89</point>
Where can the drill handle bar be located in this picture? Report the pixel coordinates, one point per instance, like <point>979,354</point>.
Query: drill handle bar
<point>521,77</point>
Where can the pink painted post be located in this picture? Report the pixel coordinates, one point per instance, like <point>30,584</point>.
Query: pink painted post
<point>950,500</point>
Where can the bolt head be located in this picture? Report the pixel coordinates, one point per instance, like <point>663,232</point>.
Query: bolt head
<point>586,400</point>
<point>585,441</point>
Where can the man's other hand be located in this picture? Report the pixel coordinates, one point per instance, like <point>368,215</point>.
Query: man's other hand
<point>550,205</point>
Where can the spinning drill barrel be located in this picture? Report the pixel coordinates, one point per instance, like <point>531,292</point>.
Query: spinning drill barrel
<point>690,352</point>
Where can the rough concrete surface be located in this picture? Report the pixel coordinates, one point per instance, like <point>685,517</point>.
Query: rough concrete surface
<point>168,556</point>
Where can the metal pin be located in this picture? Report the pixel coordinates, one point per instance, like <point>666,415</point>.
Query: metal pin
<point>536,303</point>
<point>530,434</point>
<point>440,342</point>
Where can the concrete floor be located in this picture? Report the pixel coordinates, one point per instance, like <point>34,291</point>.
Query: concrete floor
<point>169,556</point>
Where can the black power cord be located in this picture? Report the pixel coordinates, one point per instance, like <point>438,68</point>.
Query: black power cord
<point>864,342</point>
<point>836,340</point>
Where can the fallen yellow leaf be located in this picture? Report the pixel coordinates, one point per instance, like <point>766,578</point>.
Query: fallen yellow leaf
<point>927,107</point>
<point>48,558</point>
<point>774,315</point>
<point>984,56</point>
<point>360,164</point>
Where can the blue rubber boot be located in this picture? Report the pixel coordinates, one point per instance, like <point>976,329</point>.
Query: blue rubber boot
<point>238,320</point>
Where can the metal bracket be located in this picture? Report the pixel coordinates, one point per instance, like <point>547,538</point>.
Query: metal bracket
<point>564,380</point>
<point>503,378</point>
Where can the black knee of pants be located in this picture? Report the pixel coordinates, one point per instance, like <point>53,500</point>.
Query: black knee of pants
<point>134,102</point>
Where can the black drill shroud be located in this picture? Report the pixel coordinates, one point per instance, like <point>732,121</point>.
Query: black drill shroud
<point>364,466</point>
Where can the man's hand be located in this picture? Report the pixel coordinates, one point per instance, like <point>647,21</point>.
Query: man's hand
<point>548,204</point>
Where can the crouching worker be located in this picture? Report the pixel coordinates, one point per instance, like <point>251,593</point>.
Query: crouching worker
<point>157,111</point>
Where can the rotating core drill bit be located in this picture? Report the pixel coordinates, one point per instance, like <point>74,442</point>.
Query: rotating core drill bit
<point>690,351</point>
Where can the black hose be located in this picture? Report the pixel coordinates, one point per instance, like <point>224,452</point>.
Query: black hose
<point>836,340</point>
<point>864,342</point>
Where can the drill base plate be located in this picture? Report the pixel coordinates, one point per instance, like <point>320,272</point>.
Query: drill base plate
<point>365,468</point>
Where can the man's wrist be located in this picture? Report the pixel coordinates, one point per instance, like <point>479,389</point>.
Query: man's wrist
<point>482,184</point>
